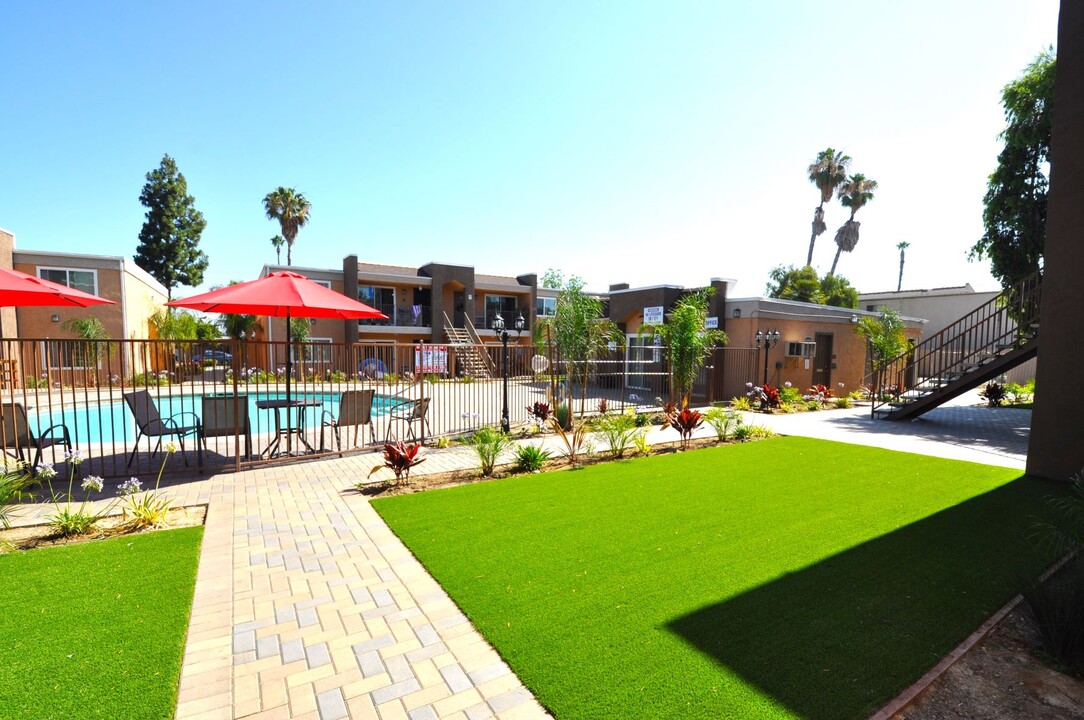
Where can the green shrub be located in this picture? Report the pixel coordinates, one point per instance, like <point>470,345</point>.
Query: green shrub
<point>37,383</point>
<point>14,484</point>
<point>843,402</point>
<point>748,433</point>
<point>531,458</point>
<point>489,443</point>
<point>618,429</point>
<point>639,441</point>
<point>1058,606</point>
<point>741,403</point>
<point>641,420</point>
<point>722,421</point>
<point>148,379</point>
<point>432,378</point>
<point>336,376</point>
<point>812,405</point>
<point>790,394</point>
<point>563,415</point>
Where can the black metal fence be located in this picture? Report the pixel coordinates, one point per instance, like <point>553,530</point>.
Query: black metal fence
<point>231,404</point>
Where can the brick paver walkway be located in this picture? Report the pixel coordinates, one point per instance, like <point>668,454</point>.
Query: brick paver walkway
<point>307,606</point>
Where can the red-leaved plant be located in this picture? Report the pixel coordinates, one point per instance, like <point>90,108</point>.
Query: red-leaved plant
<point>820,393</point>
<point>769,397</point>
<point>540,411</point>
<point>400,457</point>
<point>685,422</point>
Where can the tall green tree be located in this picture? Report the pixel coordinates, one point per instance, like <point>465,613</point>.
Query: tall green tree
<point>234,325</point>
<point>827,173</point>
<point>902,247</point>
<point>579,332</point>
<point>1014,218</point>
<point>885,337</point>
<point>292,211</point>
<point>169,239</point>
<point>688,341</point>
<point>855,192</point>
<point>803,285</point>
<point>277,242</point>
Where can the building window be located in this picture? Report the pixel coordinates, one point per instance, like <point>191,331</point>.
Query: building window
<point>311,352</point>
<point>325,283</point>
<point>506,306</point>
<point>546,307</point>
<point>85,280</point>
<point>381,298</point>
<point>72,354</point>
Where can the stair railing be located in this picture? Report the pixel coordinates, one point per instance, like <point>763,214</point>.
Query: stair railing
<point>1007,321</point>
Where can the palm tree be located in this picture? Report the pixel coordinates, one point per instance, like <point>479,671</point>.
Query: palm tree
<point>292,210</point>
<point>827,173</point>
<point>854,193</point>
<point>277,242</point>
<point>902,247</point>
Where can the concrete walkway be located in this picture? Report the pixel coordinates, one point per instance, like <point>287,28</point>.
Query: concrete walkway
<point>307,606</point>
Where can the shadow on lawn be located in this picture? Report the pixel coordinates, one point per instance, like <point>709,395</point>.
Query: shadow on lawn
<point>842,637</point>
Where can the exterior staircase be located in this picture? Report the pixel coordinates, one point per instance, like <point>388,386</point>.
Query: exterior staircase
<point>472,360</point>
<point>975,349</point>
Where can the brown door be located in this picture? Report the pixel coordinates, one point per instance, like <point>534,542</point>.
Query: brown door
<point>822,362</point>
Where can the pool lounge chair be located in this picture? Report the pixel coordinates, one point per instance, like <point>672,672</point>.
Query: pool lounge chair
<point>355,410</point>
<point>18,438</point>
<point>151,424</point>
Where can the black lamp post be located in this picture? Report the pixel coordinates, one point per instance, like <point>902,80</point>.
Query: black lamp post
<point>766,341</point>
<point>498,326</point>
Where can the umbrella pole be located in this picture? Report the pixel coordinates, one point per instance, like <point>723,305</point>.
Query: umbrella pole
<point>289,373</point>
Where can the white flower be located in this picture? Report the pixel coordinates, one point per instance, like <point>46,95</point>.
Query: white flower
<point>171,447</point>
<point>93,482</point>
<point>46,471</point>
<point>748,384</point>
<point>129,487</point>
<point>787,383</point>
<point>73,457</point>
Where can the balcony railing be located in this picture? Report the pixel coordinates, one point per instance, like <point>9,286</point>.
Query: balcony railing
<point>404,316</point>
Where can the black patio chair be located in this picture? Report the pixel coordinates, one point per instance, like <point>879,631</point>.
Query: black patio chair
<point>18,438</point>
<point>151,424</point>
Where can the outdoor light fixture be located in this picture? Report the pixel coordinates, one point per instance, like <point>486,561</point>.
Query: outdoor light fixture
<point>56,318</point>
<point>854,318</point>
<point>737,312</point>
<point>766,340</point>
<point>499,328</point>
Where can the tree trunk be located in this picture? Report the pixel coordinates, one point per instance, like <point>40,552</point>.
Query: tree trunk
<point>813,235</point>
<point>289,253</point>
<point>839,251</point>
<point>899,285</point>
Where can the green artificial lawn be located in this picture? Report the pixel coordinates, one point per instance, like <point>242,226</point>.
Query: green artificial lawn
<point>96,630</point>
<point>784,578</point>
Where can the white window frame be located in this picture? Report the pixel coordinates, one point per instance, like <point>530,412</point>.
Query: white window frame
<point>325,283</point>
<point>545,301</point>
<point>314,340</point>
<point>69,270</point>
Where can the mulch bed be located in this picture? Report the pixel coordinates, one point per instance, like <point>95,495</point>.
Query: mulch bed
<point>28,537</point>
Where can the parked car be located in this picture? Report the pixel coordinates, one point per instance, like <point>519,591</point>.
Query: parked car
<point>216,356</point>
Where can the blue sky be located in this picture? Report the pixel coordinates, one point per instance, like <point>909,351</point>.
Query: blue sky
<point>625,142</point>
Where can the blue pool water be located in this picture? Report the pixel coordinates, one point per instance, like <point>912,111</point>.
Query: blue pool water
<point>113,422</point>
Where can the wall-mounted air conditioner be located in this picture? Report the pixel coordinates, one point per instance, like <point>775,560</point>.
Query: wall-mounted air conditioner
<point>801,349</point>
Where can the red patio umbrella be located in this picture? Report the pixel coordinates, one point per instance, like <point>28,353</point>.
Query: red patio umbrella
<point>17,289</point>
<point>281,294</point>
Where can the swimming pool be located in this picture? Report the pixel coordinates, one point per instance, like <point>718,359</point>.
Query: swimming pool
<point>113,422</point>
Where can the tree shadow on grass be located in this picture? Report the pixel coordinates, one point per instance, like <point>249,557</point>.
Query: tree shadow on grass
<point>840,638</point>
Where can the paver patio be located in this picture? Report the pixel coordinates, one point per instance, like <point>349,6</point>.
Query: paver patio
<point>307,606</point>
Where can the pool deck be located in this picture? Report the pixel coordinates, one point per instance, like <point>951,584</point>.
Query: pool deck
<point>308,606</point>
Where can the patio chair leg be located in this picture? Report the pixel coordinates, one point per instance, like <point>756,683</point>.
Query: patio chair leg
<point>184,457</point>
<point>135,449</point>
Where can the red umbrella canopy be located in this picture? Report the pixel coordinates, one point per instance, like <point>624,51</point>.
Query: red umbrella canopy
<point>280,294</point>
<point>17,289</point>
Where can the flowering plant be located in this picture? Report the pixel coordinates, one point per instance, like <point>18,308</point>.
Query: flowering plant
<point>685,421</point>
<point>65,520</point>
<point>147,509</point>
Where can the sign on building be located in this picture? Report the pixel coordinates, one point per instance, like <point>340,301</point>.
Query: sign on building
<point>711,323</point>
<point>653,315</point>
